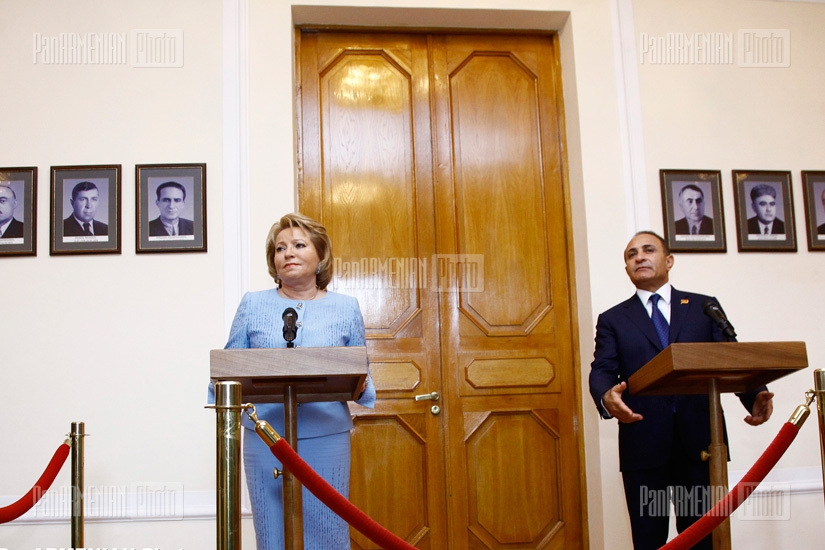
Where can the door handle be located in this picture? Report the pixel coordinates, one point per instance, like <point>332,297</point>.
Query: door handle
<point>428,396</point>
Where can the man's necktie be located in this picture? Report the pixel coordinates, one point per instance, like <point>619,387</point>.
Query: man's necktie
<point>659,321</point>
<point>693,230</point>
<point>86,230</point>
<point>766,230</point>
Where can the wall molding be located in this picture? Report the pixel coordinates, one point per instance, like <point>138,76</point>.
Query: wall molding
<point>169,502</point>
<point>235,155</point>
<point>630,116</point>
<point>115,504</point>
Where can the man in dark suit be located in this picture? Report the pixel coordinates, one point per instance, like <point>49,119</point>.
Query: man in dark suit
<point>10,228</point>
<point>763,202</point>
<point>82,222</point>
<point>171,198</point>
<point>660,437</point>
<point>692,201</point>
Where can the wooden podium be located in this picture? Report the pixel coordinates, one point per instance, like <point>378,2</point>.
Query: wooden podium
<point>714,368</point>
<point>290,376</point>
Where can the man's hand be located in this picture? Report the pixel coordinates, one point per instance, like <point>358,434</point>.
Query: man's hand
<point>612,400</point>
<point>762,409</point>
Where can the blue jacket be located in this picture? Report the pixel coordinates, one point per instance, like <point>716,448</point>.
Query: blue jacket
<point>333,320</point>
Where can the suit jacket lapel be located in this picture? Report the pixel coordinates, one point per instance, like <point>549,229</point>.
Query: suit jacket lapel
<point>636,312</point>
<point>679,307</point>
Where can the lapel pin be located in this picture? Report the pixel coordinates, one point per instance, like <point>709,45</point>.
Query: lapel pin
<point>684,301</point>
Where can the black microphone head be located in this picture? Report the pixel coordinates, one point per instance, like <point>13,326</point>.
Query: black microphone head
<point>715,312</point>
<point>290,329</point>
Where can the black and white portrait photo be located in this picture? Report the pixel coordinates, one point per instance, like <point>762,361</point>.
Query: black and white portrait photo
<point>171,207</point>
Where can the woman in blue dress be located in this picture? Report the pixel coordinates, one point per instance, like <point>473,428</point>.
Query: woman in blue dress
<point>299,257</point>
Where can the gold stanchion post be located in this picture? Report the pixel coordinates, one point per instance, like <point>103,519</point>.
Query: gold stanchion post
<point>77,434</point>
<point>819,389</point>
<point>228,408</point>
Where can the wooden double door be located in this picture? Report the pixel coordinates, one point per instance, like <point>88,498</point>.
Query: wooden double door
<point>436,163</point>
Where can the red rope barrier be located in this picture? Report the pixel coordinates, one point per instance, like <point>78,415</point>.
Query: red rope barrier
<point>327,494</point>
<point>747,485</point>
<point>27,501</point>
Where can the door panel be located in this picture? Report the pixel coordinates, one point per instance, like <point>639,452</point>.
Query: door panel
<point>507,350</point>
<point>435,162</point>
<point>367,176</point>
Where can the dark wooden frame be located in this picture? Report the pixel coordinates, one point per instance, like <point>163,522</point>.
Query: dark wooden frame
<point>23,183</point>
<point>813,189</point>
<point>709,183</point>
<point>743,182</point>
<point>107,178</point>
<point>147,178</point>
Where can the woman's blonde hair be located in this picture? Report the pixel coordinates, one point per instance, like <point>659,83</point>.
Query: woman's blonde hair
<point>320,240</point>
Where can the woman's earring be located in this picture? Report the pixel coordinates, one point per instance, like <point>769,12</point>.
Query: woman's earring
<point>318,269</point>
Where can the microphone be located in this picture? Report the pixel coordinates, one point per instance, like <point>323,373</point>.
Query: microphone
<point>713,311</point>
<point>290,330</point>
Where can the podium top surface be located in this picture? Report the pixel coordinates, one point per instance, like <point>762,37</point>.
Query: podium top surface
<point>687,368</point>
<point>316,374</point>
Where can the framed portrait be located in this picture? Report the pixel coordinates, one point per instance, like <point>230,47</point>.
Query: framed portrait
<point>692,210</point>
<point>85,213</point>
<point>813,191</point>
<point>18,211</point>
<point>764,211</point>
<point>171,207</point>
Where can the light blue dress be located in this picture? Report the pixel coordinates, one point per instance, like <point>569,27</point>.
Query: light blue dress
<point>323,428</point>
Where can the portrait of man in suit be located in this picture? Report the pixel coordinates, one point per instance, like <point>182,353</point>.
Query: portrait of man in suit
<point>171,199</point>
<point>10,227</point>
<point>692,202</point>
<point>82,223</point>
<point>661,437</point>
<point>820,230</point>
<point>763,202</point>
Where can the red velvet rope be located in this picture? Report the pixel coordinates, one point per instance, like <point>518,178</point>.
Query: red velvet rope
<point>27,501</point>
<point>737,496</point>
<point>327,494</point>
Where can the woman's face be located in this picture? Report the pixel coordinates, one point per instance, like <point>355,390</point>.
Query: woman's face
<point>296,258</point>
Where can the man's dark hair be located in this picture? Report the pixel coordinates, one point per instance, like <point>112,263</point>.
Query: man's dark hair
<point>7,186</point>
<point>174,184</point>
<point>83,186</point>
<point>692,187</point>
<point>762,189</point>
<point>665,247</point>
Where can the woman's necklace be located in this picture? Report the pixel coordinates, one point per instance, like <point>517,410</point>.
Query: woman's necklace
<point>286,294</point>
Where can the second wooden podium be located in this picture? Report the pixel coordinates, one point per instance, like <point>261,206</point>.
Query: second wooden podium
<point>713,368</point>
<point>289,376</point>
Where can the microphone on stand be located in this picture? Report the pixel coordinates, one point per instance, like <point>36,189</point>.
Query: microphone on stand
<point>290,316</point>
<point>713,311</point>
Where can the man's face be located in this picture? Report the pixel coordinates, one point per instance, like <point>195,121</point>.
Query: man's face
<point>765,208</point>
<point>693,205</point>
<point>85,205</point>
<point>7,204</point>
<point>646,263</point>
<point>170,203</point>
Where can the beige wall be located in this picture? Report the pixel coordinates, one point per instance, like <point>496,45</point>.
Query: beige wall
<point>120,341</point>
